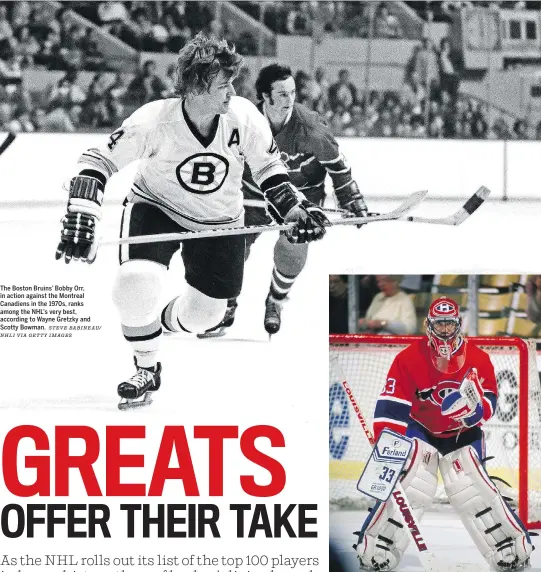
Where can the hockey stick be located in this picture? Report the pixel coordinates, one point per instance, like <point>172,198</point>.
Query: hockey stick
<point>409,204</point>
<point>429,561</point>
<point>466,210</point>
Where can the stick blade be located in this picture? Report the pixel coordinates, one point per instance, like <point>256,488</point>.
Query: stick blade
<point>458,217</point>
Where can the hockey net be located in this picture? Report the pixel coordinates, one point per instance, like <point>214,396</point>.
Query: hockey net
<point>513,434</point>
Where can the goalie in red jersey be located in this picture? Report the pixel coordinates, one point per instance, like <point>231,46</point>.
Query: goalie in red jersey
<point>439,391</point>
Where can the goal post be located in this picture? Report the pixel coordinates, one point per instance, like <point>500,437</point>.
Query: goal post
<point>513,434</point>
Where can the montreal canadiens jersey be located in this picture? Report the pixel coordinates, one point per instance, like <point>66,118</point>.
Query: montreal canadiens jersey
<point>193,179</point>
<point>310,152</point>
<point>415,389</point>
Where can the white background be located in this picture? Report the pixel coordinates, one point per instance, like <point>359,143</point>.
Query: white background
<point>243,379</point>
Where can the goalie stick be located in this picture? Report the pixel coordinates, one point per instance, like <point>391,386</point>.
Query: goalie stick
<point>405,207</point>
<point>429,560</point>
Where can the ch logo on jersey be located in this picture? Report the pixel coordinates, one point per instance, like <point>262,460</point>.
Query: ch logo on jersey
<point>437,393</point>
<point>202,173</point>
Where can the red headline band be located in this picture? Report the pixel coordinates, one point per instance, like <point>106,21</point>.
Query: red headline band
<point>173,461</point>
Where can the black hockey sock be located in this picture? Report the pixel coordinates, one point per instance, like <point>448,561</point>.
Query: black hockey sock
<point>280,284</point>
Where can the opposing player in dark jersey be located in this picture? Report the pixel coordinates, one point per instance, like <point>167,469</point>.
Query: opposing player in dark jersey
<point>192,151</point>
<point>439,391</point>
<point>310,153</point>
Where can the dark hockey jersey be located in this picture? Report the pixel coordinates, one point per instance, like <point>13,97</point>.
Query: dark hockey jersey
<point>309,151</point>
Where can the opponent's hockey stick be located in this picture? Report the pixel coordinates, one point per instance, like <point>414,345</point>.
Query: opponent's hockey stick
<point>405,207</point>
<point>466,210</point>
<point>429,561</point>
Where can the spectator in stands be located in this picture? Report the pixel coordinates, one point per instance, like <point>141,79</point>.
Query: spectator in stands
<point>500,129</point>
<point>533,292</point>
<point>246,44</point>
<point>178,35</point>
<point>62,119</point>
<point>147,86</point>
<point>448,69</point>
<point>17,97</point>
<point>520,129</point>
<point>303,83</point>
<point>342,94</point>
<point>42,21</point>
<point>70,52</point>
<point>142,29</point>
<point>299,19</point>
<point>386,24</point>
<point>10,68</point>
<point>428,66</point>
<point>320,91</point>
<point>6,31</point>
<point>338,304</point>
<point>66,92</point>
<point>244,85</point>
<point>21,122</point>
<point>20,15</point>
<point>94,60</point>
<point>116,96</point>
<point>26,46</point>
<point>49,55</point>
<point>391,311</point>
<point>112,14</point>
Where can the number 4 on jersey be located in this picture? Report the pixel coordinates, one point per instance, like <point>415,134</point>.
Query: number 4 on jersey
<point>385,465</point>
<point>113,139</point>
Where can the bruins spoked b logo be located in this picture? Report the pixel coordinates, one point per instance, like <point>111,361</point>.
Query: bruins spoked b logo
<point>202,173</point>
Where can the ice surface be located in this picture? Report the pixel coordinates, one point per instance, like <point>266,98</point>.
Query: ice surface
<point>442,529</point>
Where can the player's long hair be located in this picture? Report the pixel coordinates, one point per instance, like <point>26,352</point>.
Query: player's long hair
<point>201,60</point>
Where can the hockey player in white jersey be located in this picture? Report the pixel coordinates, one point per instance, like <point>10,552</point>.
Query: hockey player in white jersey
<point>192,150</point>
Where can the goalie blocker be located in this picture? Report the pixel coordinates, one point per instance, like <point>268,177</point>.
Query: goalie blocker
<point>444,418</point>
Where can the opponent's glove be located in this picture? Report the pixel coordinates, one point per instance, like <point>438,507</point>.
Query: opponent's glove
<point>351,199</point>
<point>78,236</point>
<point>284,206</point>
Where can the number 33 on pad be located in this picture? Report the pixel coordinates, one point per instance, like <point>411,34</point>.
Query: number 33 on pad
<point>385,465</point>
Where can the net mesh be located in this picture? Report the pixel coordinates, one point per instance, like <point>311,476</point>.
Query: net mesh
<point>365,363</point>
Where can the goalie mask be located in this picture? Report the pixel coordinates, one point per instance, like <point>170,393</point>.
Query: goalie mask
<point>447,345</point>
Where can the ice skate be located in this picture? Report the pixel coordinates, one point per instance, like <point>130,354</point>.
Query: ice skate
<point>273,309</point>
<point>137,391</point>
<point>227,321</point>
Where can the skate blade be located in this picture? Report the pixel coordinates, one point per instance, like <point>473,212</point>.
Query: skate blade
<point>127,404</point>
<point>216,334</point>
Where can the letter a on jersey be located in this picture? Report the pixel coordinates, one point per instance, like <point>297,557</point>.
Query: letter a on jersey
<point>235,138</point>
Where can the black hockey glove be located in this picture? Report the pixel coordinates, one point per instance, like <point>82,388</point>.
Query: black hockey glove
<point>78,236</point>
<point>351,199</point>
<point>284,206</point>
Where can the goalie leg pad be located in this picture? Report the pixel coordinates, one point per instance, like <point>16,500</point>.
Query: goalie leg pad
<point>496,530</point>
<point>383,539</point>
<point>193,312</point>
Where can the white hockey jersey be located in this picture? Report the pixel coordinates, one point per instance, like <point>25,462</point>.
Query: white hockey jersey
<point>195,180</point>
